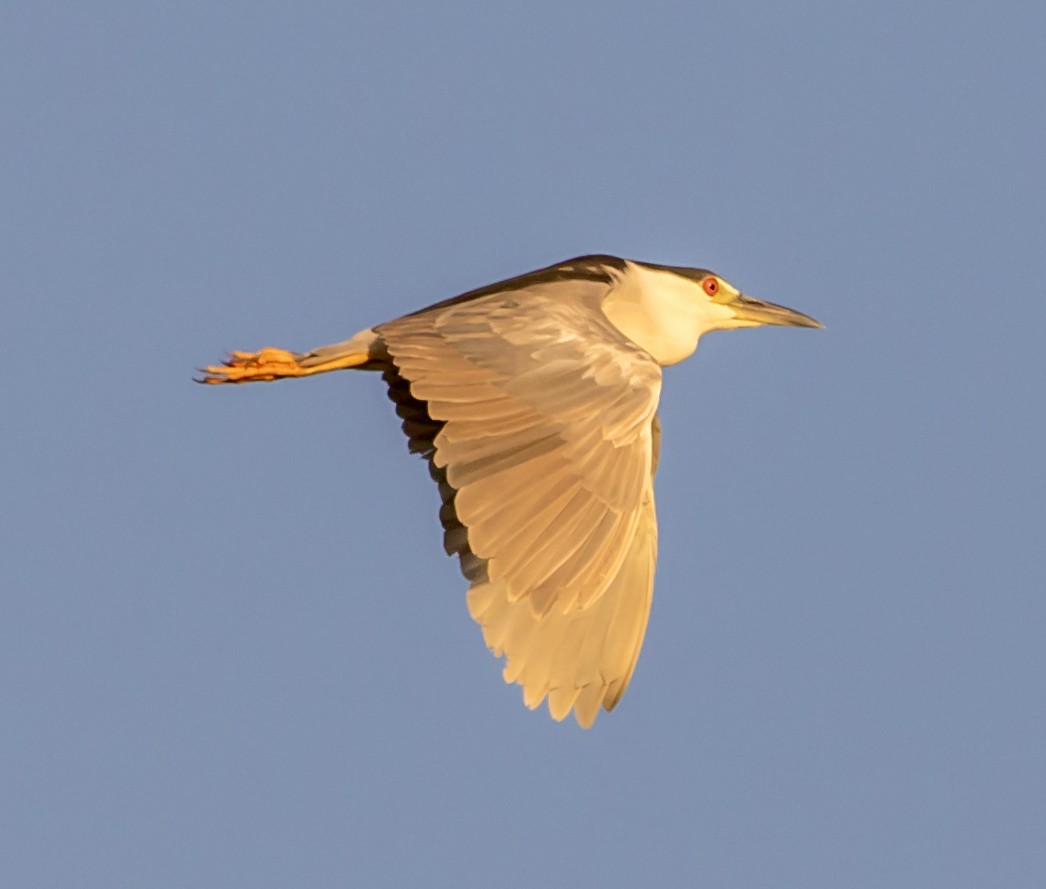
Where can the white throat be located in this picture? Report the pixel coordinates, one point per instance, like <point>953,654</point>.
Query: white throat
<point>662,312</point>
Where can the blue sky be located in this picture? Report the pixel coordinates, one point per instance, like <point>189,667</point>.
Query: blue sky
<point>232,652</point>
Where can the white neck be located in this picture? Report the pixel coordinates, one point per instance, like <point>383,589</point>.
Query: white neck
<point>663,313</point>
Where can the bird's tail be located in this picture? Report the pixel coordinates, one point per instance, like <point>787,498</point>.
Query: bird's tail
<point>276,364</point>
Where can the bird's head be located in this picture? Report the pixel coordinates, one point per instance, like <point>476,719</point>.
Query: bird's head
<point>728,308</point>
<point>667,309</point>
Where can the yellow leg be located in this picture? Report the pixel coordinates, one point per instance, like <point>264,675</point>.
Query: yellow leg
<point>275,364</point>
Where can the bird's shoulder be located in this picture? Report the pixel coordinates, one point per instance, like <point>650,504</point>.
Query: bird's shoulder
<point>574,278</point>
<point>551,317</point>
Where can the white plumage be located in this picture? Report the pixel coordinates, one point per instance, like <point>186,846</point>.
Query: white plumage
<point>534,402</point>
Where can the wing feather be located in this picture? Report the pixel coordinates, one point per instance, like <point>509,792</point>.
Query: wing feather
<point>585,656</point>
<point>536,416</point>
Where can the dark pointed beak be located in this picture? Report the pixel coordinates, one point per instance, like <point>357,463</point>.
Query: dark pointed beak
<point>756,311</point>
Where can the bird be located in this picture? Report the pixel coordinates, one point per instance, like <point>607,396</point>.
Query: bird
<point>534,402</point>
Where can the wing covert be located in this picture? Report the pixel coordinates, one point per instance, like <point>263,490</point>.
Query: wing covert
<point>536,416</point>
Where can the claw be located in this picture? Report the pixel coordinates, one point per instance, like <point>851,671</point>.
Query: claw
<point>249,367</point>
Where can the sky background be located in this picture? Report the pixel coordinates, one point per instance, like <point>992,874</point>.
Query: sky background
<point>232,652</point>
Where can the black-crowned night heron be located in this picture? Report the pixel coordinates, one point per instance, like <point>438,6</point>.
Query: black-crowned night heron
<point>534,402</point>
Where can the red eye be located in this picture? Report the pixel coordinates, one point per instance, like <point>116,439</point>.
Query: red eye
<point>711,286</point>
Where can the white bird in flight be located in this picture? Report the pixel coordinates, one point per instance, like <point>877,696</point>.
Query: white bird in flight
<point>534,401</point>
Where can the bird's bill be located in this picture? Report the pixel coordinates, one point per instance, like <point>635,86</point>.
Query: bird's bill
<point>752,312</point>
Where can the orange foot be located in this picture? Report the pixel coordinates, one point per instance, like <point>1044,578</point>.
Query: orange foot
<point>248,367</point>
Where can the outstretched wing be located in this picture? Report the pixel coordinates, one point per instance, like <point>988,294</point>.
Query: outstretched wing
<point>536,416</point>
